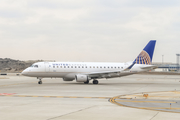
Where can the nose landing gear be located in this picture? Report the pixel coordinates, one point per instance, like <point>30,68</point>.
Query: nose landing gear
<point>40,80</point>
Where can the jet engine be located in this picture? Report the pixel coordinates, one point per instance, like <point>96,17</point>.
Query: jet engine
<point>82,78</point>
<point>68,79</point>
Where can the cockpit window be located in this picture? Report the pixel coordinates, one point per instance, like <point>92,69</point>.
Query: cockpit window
<point>36,66</point>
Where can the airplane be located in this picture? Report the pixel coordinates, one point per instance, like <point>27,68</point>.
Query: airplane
<point>86,71</point>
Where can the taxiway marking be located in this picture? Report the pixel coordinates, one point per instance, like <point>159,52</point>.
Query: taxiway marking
<point>145,101</point>
<point>118,99</point>
<point>12,84</point>
<point>5,95</point>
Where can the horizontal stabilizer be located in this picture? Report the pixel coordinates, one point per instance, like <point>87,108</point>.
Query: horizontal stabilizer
<point>149,67</point>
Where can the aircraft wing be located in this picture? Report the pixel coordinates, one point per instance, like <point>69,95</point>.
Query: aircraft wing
<point>110,74</point>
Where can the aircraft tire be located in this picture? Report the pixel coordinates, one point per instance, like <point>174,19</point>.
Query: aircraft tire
<point>40,82</point>
<point>95,82</point>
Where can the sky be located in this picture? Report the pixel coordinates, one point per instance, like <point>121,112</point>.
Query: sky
<point>88,30</point>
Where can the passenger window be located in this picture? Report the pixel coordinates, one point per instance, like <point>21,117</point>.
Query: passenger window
<point>93,67</point>
<point>82,67</point>
<point>114,67</point>
<point>104,67</point>
<point>111,67</point>
<point>64,66</point>
<point>71,66</point>
<point>57,66</point>
<point>53,66</point>
<point>97,66</point>
<point>79,66</point>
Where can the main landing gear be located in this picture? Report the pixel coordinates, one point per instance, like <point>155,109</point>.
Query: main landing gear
<point>40,81</point>
<point>95,82</point>
<point>87,82</point>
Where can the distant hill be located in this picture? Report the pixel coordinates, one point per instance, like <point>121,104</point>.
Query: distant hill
<point>11,65</point>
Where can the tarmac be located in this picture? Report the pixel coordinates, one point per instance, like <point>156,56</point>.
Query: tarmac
<point>137,97</point>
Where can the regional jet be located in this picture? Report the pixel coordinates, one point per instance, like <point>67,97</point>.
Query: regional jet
<point>86,71</point>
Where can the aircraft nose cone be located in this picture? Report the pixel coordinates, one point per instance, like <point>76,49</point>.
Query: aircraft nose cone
<point>24,72</point>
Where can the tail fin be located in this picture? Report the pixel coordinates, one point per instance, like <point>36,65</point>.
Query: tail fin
<point>145,57</point>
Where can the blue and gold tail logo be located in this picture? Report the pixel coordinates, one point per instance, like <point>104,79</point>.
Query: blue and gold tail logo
<point>143,58</point>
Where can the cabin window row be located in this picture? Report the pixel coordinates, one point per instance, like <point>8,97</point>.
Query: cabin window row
<point>86,67</point>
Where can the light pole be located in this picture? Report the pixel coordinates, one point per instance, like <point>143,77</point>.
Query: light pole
<point>162,59</point>
<point>177,61</point>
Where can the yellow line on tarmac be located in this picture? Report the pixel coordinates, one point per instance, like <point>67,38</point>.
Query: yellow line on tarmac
<point>154,96</point>
<point>72,97</point>
<point>114,101</point>
<point>102,97</point>
<point>59,96</point>
<point>12,84</point>
<point>124,98</point>
<point>34,96</point>
<point>118,99</point>
<point>55,96</point>
<point>145,101</point>
<point>21,95</point>
<point>155,108</point>
<point>9,95</point>
<point>87,97</point>
<point>176,92</point>
<point>46,96</point>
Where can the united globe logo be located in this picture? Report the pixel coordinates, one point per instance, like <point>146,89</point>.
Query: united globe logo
<point>143,58</point>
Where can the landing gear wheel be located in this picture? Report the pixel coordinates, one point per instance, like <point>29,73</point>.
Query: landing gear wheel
<point>95,82</point>
<point>40,82</point>
<point>87,82</point>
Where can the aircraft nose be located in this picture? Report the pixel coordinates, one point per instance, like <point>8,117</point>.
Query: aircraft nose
<point>24,72</point>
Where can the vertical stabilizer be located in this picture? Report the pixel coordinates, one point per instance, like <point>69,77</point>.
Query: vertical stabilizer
<point>145,57</point>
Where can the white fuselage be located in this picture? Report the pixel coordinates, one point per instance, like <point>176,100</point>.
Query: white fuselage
<point>68,70</point>
<point>85,71</point>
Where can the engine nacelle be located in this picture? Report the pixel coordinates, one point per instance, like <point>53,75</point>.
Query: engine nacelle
<point>82,78</point>
<point>68,79</point>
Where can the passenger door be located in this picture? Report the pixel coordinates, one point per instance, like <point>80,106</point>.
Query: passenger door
<point>47,66</point>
